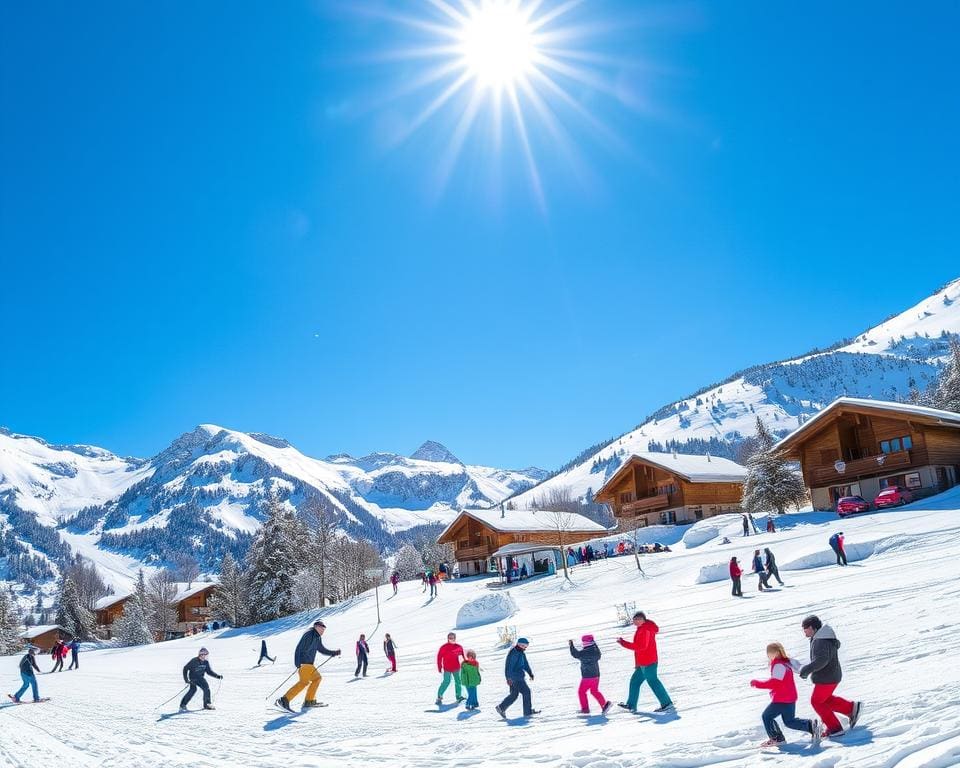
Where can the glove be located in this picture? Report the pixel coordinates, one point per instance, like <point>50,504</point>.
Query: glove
<point>219,677</point>
<point>531,676</point>
<point>754,683</point>
<point>804,674</point>
<point>338,652</point>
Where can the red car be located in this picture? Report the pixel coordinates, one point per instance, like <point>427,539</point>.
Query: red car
<point>894,496</point>
<point>848,505</point>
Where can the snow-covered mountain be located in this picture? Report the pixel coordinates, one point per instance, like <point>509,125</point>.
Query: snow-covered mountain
<point>886,362</point>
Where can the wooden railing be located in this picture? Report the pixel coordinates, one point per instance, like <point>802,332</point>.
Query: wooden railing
<point>645,505</point>
<point>828,475</point>
<point>474,553</point>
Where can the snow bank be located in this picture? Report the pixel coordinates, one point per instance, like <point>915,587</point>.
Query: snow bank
<point>486,609</point>
<point>706,530</point>
<point>819,558</point>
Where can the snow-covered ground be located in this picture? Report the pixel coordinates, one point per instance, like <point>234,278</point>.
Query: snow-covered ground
<point>895,609</point>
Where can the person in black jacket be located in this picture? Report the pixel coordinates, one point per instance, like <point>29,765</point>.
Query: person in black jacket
<point>28,670</point>
<point>589,657</point>
<point>193,675</point>
<point>363,654</point>
<point>263,653</point>
<point>303,658</point>
<point>770,564</point>
<point>825,674</point>
<point>515,668</point>
<point>57,653</point>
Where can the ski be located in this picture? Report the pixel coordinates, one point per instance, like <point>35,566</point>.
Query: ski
<point>37,701</point>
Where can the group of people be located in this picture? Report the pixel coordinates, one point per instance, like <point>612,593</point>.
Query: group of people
<point>59,654</point>
<point>430,578</point>
<point>764,566</point>
<point>29,667</point>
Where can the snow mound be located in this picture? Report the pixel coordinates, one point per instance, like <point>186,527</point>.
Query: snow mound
<point>706,530</point>
<point>486,609</point>
<point>819,558</point>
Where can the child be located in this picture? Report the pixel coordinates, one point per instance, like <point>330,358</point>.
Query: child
<point>390,649</point>
<point>589,658</point>
<point>363,651</point>
<point>783,698</point>
<point>470,675</point>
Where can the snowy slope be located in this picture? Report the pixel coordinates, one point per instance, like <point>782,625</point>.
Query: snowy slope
<point>882,363</point>
<point>896,615</point>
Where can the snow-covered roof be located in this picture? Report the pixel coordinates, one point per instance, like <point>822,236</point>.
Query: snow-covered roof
<point>523,549</point>
<point>941,418</point>
<point>31,632</point>
<point>106,602</point>
<point>693,468</point>
<point>517,520</point>
<point>184,591</point>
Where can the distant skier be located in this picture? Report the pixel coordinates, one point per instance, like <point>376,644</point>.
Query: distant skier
<point>193,675</point>
<point>432,580</point>
<point>470,675</point>
<point>771,528</point>
<point>448,664</point>
<point>644,647</point>
<point>836,544</point>
<point>753,523</point>
<point>770,564</point>
<point>74,654</point>
<point>589,657</point>
<point>363,654</point>
<point>783,698</point>
<point>735,574</point>
<point>57,654</point>
<point>825,674</point>
<point>762,579</point>
<point>516,667</point>
<point>390,651</point>
<point>308,676</point>
<point>394,581</point>
<point>264,654</point>
<point>28,670</point>
<point>746,526</point>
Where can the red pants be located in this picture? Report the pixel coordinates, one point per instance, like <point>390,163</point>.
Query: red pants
<point>825,704</point>
<point>393,662</point>
<point>590,685</point>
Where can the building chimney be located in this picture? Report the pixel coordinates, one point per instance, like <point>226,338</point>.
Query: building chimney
<point>502,513</point>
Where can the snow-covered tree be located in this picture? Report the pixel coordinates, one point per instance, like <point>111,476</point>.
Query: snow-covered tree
<point>230,601</point>
<point>132,627</point>
<point>72,615</point>
<point>770,483</point>
<point>946,394</point>
<point>322,522</point>
<point>408,562</point>
<point>273,561</point>
<point>161,591</point>
<point>10,641</point>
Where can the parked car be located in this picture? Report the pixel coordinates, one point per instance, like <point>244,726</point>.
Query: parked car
<point>848,505</point>
<point>894,496</point>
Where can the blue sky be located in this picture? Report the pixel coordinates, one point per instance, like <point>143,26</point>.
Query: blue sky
<point>206,216</point>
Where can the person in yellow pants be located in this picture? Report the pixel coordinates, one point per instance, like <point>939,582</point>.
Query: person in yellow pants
<point>307,674</point>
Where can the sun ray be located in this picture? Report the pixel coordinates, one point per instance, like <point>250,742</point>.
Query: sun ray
<point>434,105</point>
<point>527,151</point>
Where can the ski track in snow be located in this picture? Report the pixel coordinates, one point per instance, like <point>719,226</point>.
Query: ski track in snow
<point>895,611</point>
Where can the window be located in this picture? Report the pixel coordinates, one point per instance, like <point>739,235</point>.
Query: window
<point>896,444</point>
<point>626,498</point>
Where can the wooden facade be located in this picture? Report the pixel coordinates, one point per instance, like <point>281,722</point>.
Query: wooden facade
<point>108,610</point>
<point>858,447</point>
<point>648,490</point>
<point>44,637</point>
<point>193,608</point>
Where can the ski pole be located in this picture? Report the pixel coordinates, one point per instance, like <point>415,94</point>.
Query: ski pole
<point>172,697</point>
<point>281,684</point>
<point>219,686</point>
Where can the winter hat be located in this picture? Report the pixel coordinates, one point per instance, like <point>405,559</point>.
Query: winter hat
<point>522,641</point>
<point>203,651</point>
<point>587,639</point>
<point>319,623</point>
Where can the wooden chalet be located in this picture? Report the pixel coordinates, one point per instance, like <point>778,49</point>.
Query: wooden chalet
<point>44,636</point>
<point>192,605</point>
<point>107,610</point>
<point>477,533</point>
<point>651,488</point>
<point>857,447</point>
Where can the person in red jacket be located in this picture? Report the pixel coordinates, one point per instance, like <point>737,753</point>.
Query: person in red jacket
<point>735,573</point>
<point>448,663</point>
<point>644,647</point>
<point>783,698</point>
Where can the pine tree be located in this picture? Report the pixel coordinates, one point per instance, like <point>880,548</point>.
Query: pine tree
<point>230,601</point>
<point>946,394</point>
<point>770,483</point>
<point>10,641</point>
<point>132,627</point>
<point>273,561</point>
<point>72,615</point>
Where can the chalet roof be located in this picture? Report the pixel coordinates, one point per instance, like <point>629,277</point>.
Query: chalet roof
<point>690,467</point>
<point>933,416</point>
<point>184,590</point>
<point>31,632</point>
<point>523,549</point>
<point>520,520</point>
<point>106,602</point>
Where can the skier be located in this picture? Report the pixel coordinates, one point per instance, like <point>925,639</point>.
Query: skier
<point>470,675</point>
<point>432,579</point>
<point>762,580</point>
<point>74,651</point>
<point>644,647</point>
<point>264,654</point>
<point>448,664</point>
<point>783,698</point>
<point>770,564</point>
<point>515,667</point>
<point>836,544</point>
<point>746,526</point>
<point>390,650</point>
<point>56,653</point>
<point>394,581</point>
<point>735,573</point>
<point>193,675</point>
<point>589,657</point>
<point>771,528</point>
<point>307,675</point>
<point>28,670</point>
<point>825,674</point>
<point>363,652</point>
<point>753,523</point>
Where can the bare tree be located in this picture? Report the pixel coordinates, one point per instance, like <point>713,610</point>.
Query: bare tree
<point>322,524</point>
<point>633,525</point>
<point>561,522</point>
<point>185,568</point>
<point>162,596</point>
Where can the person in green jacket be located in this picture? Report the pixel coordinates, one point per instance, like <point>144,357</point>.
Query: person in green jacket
<point>470,675</point>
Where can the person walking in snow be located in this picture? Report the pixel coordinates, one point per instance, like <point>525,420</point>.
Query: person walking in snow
<point>264,654</point>
<point>390,651</point>
<point>470,675</point>
<point>770,565</point>
<point>753,523</point>
<point>836,544</point>
<point>193,675</point>
<point>644,647</point>
<point>394,581</point>
<point>735,573</point>
<point>783,698</point>
<point>304,659</point>
<point>57,654</point>
<point>28,676</point>
<point>74,654</point>
<point>746,526</point>
<point>589,657</point>
<point>363,652</point>
<point>432,579</point>
<point>449,657</point>
<point>515,668</point>
<point>762,578</point>
<point>825,674</point>
<point>771,528</point>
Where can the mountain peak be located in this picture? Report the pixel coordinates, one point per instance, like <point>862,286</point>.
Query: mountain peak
<point>434,451</point>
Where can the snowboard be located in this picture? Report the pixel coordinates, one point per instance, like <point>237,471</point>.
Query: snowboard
<point>31,701</point>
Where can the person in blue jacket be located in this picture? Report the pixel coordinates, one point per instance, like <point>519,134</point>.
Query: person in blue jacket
<point>515,669</point>
<point>74,654</point>
<point>28,670</point>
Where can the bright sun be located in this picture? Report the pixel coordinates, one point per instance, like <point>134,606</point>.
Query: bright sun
<point>497,44</point>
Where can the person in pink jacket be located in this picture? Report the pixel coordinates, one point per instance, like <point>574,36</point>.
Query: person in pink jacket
<point>783,698</point>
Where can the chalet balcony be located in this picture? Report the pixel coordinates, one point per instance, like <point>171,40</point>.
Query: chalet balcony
<point>474,553</point>
<point>872,465</point>
<point>645,505</point>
